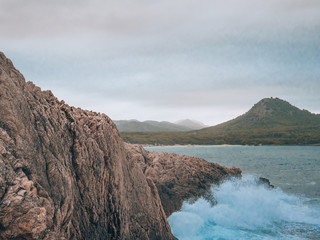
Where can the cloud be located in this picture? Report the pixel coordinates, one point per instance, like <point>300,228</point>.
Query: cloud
<point>56,18</point>
<point>163,58</point>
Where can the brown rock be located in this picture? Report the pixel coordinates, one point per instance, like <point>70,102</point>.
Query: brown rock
<point>179,178</point>
<point>65,173</point>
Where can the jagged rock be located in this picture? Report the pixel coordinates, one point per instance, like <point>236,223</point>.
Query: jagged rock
<point>265,182</point>
<point>179,178</point>
<point>65,173</point>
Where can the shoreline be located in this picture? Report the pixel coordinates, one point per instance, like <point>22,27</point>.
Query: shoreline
<point>191,145</point>
<point>229,145</point>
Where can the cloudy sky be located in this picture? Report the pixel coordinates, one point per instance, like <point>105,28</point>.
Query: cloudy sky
<point>209,60</point>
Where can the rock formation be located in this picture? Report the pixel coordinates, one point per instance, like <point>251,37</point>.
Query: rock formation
<point>179,178</point>
<point>65,173</point>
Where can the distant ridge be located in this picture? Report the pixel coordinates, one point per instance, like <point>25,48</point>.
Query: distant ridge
<point>271,121</point>
<point>155,126</point>
<point>192,124</point>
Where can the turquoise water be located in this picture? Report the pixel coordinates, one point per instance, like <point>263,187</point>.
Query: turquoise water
<point>246,210</point>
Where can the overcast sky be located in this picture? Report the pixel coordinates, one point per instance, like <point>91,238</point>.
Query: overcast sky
<point>168,60</point>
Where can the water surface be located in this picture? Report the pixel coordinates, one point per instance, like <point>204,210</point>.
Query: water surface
<point>246,210</point>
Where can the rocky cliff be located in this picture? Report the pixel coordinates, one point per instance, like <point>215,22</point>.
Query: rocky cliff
<point>65,173</point>
<point>179,178</point>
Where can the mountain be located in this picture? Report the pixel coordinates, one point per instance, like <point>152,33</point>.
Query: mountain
<point>269,113</point>
<point>149,126</point>
<point>271,121</point>
<point>191,124</point>
<point>65,173</point>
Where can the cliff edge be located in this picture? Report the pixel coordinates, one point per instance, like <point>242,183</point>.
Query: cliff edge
<point>65,173</point>
<point>180,178</point>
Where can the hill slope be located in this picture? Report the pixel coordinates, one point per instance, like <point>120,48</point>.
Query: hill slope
<point>267,114</point>
<point>271,121</point>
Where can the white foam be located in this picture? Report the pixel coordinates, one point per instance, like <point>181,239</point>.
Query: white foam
<point>312,183</point>
<point>244,210</point>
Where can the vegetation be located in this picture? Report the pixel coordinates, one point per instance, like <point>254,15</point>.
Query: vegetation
<point>276,136</point>
<point>270,122</point>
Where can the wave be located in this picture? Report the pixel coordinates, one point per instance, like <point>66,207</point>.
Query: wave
<point>247,210</point>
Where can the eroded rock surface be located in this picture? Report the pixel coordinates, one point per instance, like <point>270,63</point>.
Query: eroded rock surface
<point>65,173</point>
<point>179,178</point>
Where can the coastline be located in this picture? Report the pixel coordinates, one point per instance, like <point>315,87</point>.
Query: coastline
<point>230,145</point>
<point>191,145</point>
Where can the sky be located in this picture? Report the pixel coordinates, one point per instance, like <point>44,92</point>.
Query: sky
<point>208,60</point>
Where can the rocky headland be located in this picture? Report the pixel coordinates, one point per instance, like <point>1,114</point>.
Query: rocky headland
<point>65,173</point>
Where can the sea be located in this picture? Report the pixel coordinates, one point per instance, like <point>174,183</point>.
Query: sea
<point>247,210</point>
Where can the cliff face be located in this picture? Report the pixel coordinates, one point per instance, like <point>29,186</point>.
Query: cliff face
<point>65,173</point>
<point>179,178</point>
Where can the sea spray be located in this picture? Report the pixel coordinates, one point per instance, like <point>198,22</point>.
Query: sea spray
<point>247,210</point>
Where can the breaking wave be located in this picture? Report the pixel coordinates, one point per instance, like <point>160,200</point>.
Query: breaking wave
<point>247,210</point>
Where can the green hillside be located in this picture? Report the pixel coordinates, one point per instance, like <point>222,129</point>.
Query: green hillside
<point>271,121</point>
<point>269,113</point>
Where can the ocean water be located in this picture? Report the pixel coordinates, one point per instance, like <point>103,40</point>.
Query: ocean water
<point>246,210</point>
